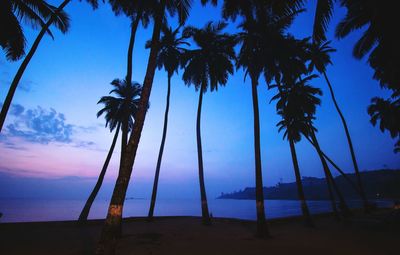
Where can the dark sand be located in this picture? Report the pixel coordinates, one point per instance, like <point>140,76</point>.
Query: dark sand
<point>187,236</point>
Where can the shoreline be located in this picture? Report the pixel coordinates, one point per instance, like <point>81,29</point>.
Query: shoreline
<point>180,235</point>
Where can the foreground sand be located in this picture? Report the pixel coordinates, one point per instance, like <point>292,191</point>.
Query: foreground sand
<point>186,235</point>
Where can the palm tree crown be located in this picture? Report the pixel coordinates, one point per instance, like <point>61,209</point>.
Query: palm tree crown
<point>210,64</point>
<point>170,54</point>
<point>124,106</point>
<point>319,55</point>
<point>297,103</point>
<point>33,12</point>
<point>387,112</point>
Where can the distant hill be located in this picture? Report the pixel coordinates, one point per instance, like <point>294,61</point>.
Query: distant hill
<point>378,184</point>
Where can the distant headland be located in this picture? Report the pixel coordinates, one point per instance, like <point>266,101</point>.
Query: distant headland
<point>379,184</point>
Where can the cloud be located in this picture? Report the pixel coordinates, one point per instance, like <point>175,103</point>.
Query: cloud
<point>43,126</point>
<point>39,125</point>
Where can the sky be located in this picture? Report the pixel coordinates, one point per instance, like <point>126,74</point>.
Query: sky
<point>53,145</point>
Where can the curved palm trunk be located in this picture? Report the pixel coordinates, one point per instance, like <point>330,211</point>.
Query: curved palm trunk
<point>300,191</point>
<point>353,156</point>
<point>21,69</point>
<point>160,153</point>
<point>124,138</point>
<point>262,229</point>
<point>204,206</point>
<point>86,209</point>
<point>328,175</point>
<point>336,167</point>
<point>112,223</point>
<point>134,27</point>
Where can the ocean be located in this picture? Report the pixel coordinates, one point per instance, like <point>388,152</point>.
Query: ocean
<point>36,210</point>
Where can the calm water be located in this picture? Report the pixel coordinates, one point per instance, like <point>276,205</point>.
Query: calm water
<point>24,210</point>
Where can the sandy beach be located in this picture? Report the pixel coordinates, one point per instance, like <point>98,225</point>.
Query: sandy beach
<point>186,235</point>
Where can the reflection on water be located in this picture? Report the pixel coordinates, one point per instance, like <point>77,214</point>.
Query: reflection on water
<point>23,210</point>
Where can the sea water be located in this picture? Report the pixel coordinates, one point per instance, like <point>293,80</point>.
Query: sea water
<point>34,210</point>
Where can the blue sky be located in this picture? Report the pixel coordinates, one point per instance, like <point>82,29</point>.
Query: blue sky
<point>52,132</point>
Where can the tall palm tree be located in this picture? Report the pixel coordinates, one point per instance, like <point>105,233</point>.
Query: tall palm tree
<point>251,60</point>
<point>297,101</point>
<point>138,11</point>
<point>12,38</point>
<point>287,63</point>
<point>319,60</point>
<point>169,58</point>
<point>113,220</point>
<point>207,67</point>
<point>119,112</point>
<point>259,39</point>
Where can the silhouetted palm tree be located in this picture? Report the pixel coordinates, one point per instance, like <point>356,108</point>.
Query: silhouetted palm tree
<point>118,111</point>
<point>378,20</point>
<point>387,113</point>
<point>113,221</point>
<point>12,38</point>
<point>297,101</point>
<point>319,60</point>
<point>207,67</point>
<point>169,58</point>
<point>250,58</point>
<point>259,39</point>
<point>33,12</point>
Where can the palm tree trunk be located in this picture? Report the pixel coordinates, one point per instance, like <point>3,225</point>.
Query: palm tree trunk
<point>353,156</point>
<point>300,191</point>
<point>86,209</point>
<point>204,206</point>
<point>160,153</point>
<point>111,227</point>
<point>329,178</point>
<point>124,137</point>
<point>262,229</point>
<point>21,69</point>
<point>134,27</point>
<point>336,167</point>
<point>343,205</point>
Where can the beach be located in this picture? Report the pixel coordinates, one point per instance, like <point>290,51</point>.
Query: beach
<point>186,235</point>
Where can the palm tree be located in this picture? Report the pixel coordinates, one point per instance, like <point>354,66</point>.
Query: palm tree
<point>387,112</point>
<point>119,112</point>
<point>251,60</point>
<point>322,17</point>
<point>259,39</point>
<point>319,60</point>
<point>377,20</point>
<point>207,67</point>
<point>113,221</point>
<point>297,102</point>
<point>12,38</point>
<point>169,58</point>
<point>33,12</point>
